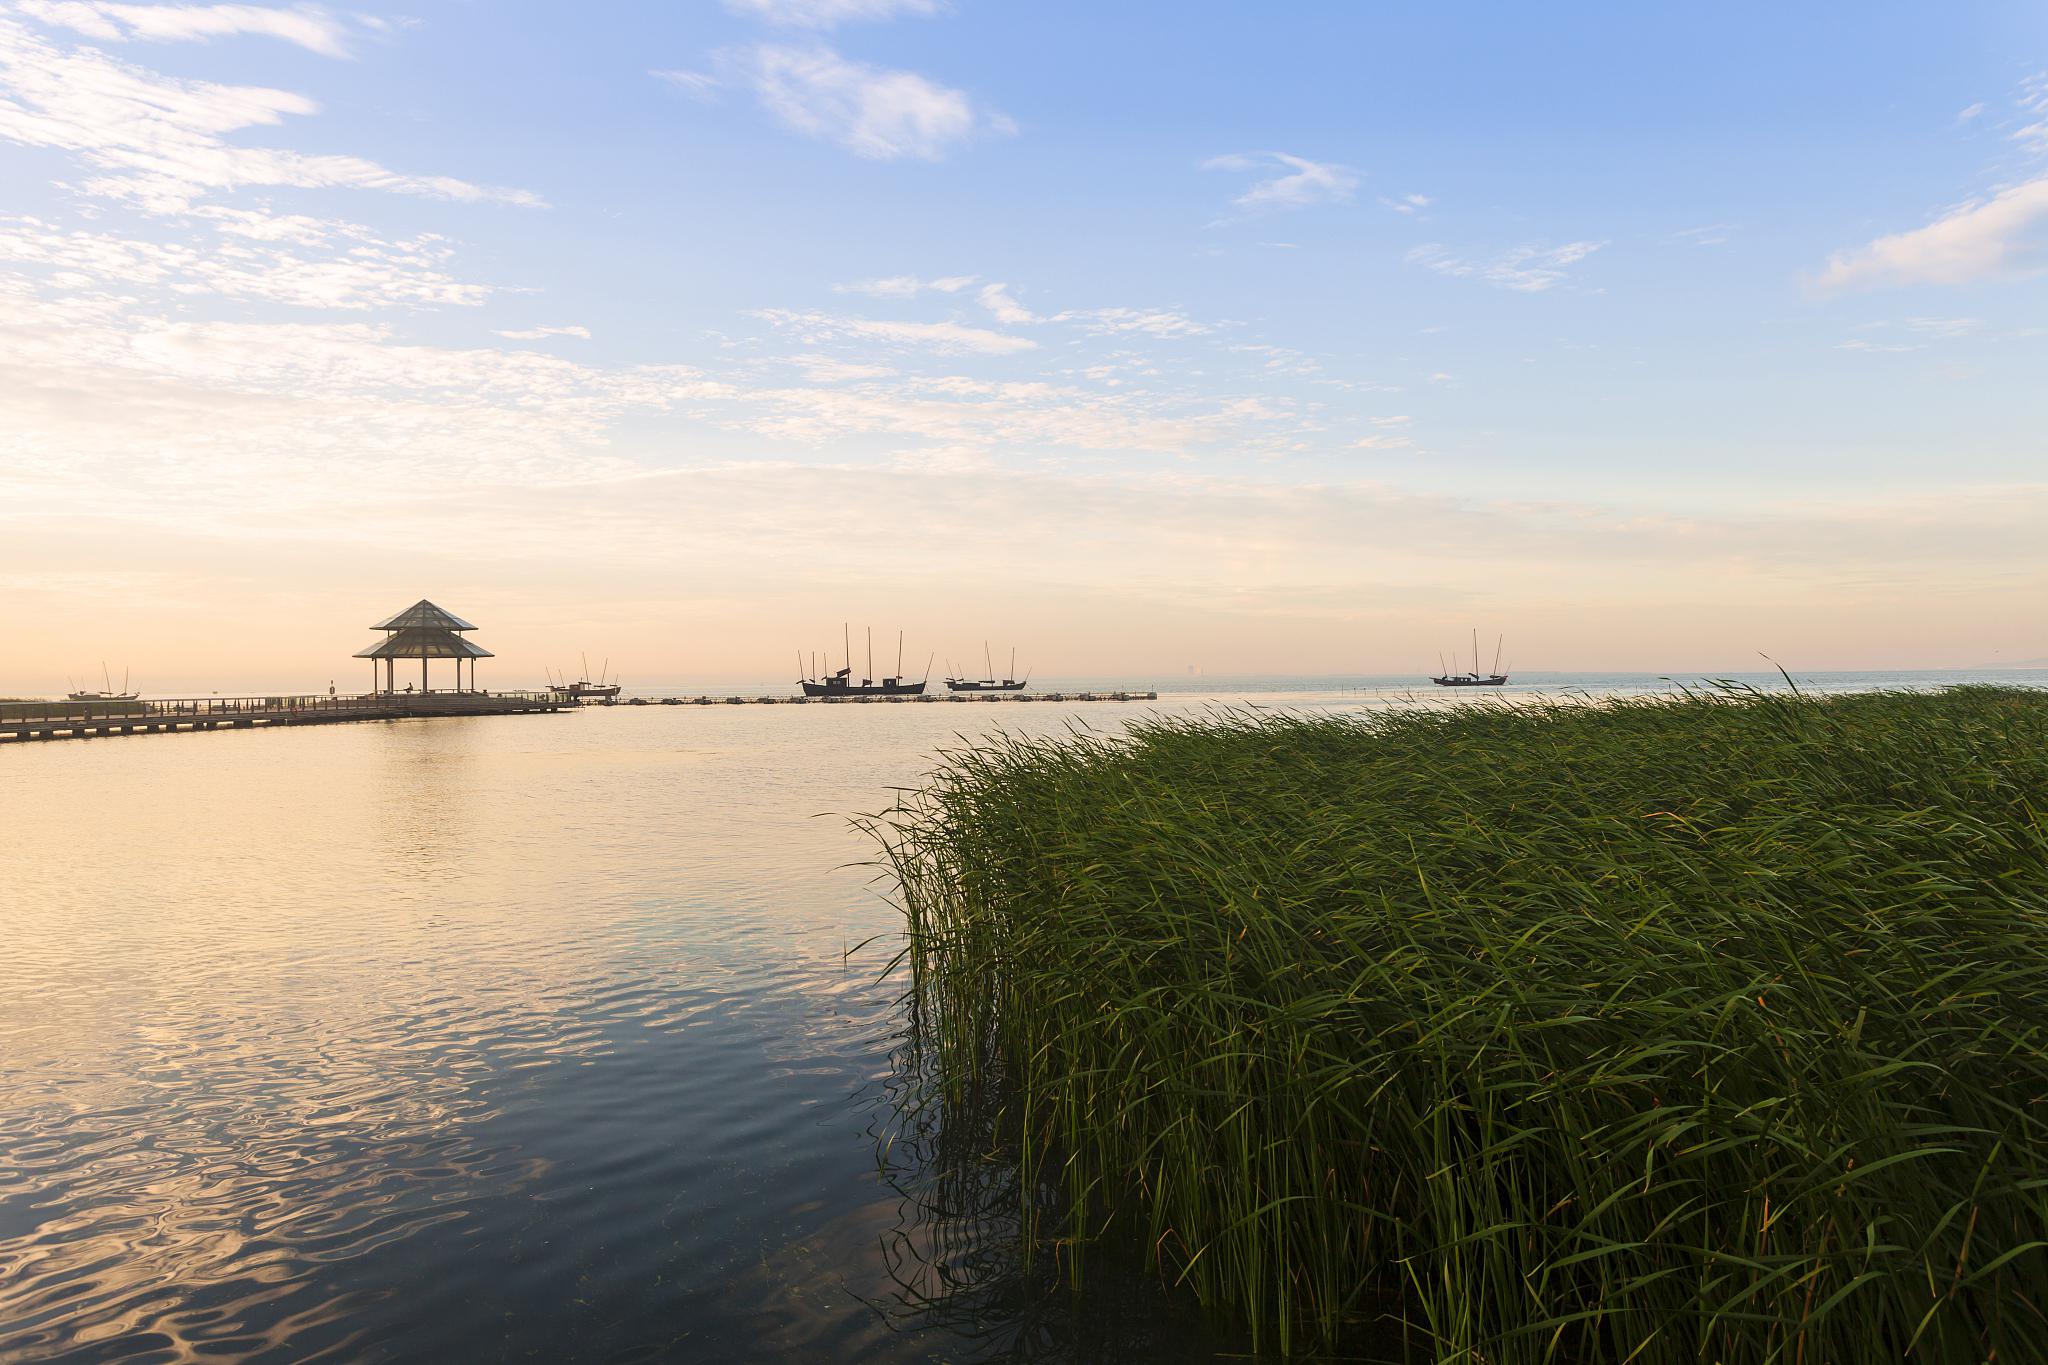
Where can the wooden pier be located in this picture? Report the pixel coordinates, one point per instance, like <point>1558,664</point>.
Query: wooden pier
<point>32,720</point>
<point>955,697</point>
<point>170,715</point>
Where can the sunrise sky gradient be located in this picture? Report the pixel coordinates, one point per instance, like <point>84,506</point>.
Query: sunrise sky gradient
<point>1270,339</point>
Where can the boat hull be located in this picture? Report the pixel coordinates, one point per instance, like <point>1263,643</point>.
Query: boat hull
<point>1499,681</point>
<point>971,685</point>
<point>583,691</point>
<point>830,690</point>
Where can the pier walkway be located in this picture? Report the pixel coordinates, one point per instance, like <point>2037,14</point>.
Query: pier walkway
<point>91,719</point>
<point>879,701</point>
<point>33,720</point>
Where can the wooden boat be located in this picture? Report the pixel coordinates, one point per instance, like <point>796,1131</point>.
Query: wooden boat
<point>1011,683</point>
<point>583,689</point>
<point>1475,678</point>
<point>840,683</point>
<point>108,694</point>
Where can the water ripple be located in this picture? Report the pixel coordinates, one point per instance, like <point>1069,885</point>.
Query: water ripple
<point>530,1037</point>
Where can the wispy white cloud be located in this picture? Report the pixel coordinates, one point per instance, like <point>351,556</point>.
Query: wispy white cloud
<point>1157,322</point>
<point>825,369</point>
<point>1969,113</point>
<point>698,85</point>
<point>1984,239</point>
<point>873,112</point>
<point>829,13</point>
<point>541,333</point>
<point>1280,360</point>
<point>2033,103</point>
<point>947,337</point>
<point>163,141</point>
<point>310,28</point>
<point>1924,330</point>
<point>904,286</point>
<point>1407,203</point>
<point>298,261</point>
<point>1944,329</point>
<point>1530,269</point>
<point>1712,234</point>
<point>1290,182</point>
<point>1005,308</point>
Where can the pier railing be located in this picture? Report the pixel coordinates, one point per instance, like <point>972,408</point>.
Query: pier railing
<point>146,709</point>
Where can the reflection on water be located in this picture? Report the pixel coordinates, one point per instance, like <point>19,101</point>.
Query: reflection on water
<point>496,1037</point>
<point>453,1039</point>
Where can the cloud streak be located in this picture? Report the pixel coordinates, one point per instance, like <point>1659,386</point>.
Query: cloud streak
<point>542,333</point>
<point>313,29</point>
<point>873,112</point>
<point>1528,269</point>
<point>263,258</point>
<point>1992,238</point>
<point>904,286</point>
<point>163,142</point>
<point>949,338</point>
<point>823,14</point>
<point>1290,182</point>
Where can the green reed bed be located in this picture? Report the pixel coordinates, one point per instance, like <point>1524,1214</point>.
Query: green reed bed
<point>1707,1028</point>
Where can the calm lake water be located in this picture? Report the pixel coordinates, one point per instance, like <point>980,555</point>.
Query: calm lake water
<point>510,1038</point>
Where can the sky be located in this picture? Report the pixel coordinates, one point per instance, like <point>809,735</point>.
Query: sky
<point>1259,339</point>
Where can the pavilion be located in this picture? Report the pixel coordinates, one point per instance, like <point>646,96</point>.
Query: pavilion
<point>422,631</point>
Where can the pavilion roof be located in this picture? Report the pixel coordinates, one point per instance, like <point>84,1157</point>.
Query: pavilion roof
<point>424,644</point>
<point>424,615</point>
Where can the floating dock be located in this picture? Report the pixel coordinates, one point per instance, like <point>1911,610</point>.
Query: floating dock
<point>961,697</point>
<point>92,719</point>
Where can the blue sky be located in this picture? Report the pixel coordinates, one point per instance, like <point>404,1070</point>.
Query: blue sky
<point>1271,337</point>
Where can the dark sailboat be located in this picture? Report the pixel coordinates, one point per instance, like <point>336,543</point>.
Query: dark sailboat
<point>583,689</point>
<point>1012,683</point>
<point>108,693</point>
<point>840,683</point>
<point>1475,678</point>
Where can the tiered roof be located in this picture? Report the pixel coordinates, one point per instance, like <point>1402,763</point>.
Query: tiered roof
<point>424,631</point>
<point>423,615</point>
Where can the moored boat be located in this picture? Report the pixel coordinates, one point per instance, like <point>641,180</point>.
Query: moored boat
<point>583,689</point>
<point>1475,678</point>
<point>108,693</point>
<point>1011,683</point>
<point>839,683</point>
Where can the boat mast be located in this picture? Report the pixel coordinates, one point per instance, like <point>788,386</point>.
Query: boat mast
<point>871,656</point>
<point>847,631</point>
<point>928,666</point>
<point>1011,676</point>
<point>988,662</point>
<point>899,656</point>
<point>1475,651</point>
<point>1496,654</point>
